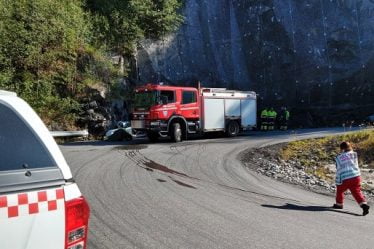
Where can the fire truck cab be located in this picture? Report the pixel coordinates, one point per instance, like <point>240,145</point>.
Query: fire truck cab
<point>172,111</point>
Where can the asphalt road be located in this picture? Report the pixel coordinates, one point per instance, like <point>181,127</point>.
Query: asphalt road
<point>196,194</point>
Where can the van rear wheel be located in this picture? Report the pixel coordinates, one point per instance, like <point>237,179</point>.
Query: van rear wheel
<point>176,134</point>
<point>232,129</point>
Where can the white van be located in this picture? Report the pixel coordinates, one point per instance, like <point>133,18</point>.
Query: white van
<point>41,207</point>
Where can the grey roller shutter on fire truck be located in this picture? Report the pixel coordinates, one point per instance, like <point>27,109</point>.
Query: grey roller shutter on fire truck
<point>214,114</point>
<point>249,112</point>
<point>232,108</point>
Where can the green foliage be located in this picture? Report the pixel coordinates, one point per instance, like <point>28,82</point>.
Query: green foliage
<point>56,110</point>
<point>324,150</point>
<point>95,69</point>
<point>120,24</point>
<point>316,154</point>
<point>39,43</point>
<point>53,51</point>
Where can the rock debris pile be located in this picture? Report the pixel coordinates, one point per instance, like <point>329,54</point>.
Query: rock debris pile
<point>266,161</point>
<point>292,172</point>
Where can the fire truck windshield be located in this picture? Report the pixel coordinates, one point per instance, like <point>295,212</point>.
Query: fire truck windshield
<point>145,99</point>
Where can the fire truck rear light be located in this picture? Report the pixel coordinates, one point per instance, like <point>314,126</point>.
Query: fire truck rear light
<point>77,214</point>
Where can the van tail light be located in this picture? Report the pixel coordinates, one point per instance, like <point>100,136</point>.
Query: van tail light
<point>77,213</point>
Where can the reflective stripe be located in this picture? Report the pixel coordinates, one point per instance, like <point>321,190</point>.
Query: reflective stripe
<point>348,175</point>
<point>346,167</point>
<point>23,204</point>
<point>264,114</point>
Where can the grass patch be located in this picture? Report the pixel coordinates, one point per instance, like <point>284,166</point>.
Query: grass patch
<point>315,154</point>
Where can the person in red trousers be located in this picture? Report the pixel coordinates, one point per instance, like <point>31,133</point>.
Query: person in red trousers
<point>348,176</point>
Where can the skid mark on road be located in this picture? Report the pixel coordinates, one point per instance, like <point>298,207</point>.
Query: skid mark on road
<point>136,147</point>
<point>182,183</point>
<point>179,150</point>
<point>142,161</point>
<point>150,165</point>
<point>88,163</point>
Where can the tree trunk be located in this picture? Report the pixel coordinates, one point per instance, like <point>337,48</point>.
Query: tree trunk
<point>121,65</point>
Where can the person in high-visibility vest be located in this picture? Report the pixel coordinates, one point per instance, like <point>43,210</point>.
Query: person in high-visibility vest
<point>283,119</point>
<point>272,116</point>
<point>348,176</point>
<point>264,119</point>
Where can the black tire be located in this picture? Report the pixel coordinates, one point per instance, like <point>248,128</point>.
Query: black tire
<point>232,129</point>
<point>176,133</point>
<point>128,138</point>
<point>153,136</point>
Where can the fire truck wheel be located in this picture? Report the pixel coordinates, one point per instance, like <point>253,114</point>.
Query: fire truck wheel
<point>152,136</point>
<point>232,129</point>
<point>176,133</point>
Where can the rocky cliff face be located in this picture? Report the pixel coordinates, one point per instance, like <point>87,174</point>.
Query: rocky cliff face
<point>300,53</point>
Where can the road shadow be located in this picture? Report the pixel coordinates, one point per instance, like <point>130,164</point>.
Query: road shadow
<point>289,206</point>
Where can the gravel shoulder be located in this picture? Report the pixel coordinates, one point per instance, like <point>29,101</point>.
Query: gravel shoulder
<point>267,161</point>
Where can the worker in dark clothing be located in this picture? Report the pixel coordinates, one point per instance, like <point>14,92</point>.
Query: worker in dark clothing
<point>283,119</point>
<point>272,114</point>
<point>264,119</point>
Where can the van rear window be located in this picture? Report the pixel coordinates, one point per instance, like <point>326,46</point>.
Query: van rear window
<point>19,145</point>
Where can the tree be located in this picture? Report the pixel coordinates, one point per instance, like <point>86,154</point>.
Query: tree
<point>39,45</point>
<point>120,24</point>
<point>53,51</point>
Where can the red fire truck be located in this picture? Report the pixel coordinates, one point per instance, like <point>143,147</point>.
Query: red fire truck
<point>162,111</point>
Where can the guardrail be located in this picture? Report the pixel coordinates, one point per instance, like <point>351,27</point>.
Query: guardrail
<point>83,133</point>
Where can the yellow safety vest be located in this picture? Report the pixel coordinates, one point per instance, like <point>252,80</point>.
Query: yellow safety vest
<point>265,114</point>
<point>272,114</point>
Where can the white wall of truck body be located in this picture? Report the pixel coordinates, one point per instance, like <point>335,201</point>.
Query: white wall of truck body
<point>220,105</point>
<point>34,217</point>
